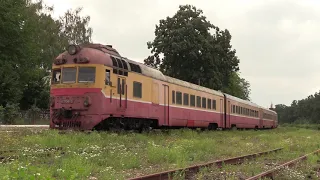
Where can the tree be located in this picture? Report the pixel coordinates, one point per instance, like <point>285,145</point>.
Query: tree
<point>184,48</point>
<point>238,87</point>
<point>29,39</point>
<point>12,43</point>
<point>74,28</point>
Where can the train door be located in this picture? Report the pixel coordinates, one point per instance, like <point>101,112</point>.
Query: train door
<point>122,92</point>
<point>108,83</point>
<point>221,113</point>
<point>260,119</point>
<point>166,104</point>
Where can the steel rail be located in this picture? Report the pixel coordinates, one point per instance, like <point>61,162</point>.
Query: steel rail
<point>272,172</point>
<point>195,168</point>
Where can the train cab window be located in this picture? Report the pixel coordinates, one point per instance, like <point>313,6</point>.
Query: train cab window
<point>179,97</point>
<point>214,104</point>
<point>69,75</point>
<point>107,80</point>
<point>185,99</point>
<point>173,97</point>
<point>137,89</point>
<point>209,104</point>
<point>198,101</point>
<point>56,76</point>
<point>87,74</point>
<point>192,100</point>
<point>204,102</point>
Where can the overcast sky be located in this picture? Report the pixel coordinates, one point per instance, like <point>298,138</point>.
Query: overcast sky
<point>277,41</point>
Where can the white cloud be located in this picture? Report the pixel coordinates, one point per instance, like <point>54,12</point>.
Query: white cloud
<point>276,40</point>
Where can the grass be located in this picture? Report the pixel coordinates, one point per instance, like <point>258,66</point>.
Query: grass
<point>109,155</point>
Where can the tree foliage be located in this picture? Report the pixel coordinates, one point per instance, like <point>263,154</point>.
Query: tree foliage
<point>185,48</point>
<point>238,87</point>
<point>29,39</point>
<point>300,111</point>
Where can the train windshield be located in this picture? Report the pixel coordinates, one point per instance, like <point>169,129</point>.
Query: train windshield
<point>69,75</point>
<point>87,74</point>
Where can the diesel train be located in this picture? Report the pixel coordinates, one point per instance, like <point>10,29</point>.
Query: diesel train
<point>94,87</point>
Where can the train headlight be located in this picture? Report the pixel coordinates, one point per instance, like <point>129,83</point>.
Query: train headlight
<point>72,49</point>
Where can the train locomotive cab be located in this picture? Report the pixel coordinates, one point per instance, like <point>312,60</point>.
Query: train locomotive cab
<point>80,82</point>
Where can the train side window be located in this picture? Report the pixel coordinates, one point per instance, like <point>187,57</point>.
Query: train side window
<point>107,80</point>
<point>240,110</point>
<point>185,99</point>
<point>179,97</point>
<point>233,109</point>
<point>192,100</point>
<point>214,104</point>
<point>198,101</point>
<point>209,104</point>
<point>137,89</point>
<point>204,102</point>
<point>173,97</point>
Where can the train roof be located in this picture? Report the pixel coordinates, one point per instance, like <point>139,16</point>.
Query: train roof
<point>156,74</point>
<point>247,102</point>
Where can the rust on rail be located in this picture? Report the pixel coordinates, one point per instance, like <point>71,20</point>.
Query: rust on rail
<point>271,172</point>
<point>194,169</point>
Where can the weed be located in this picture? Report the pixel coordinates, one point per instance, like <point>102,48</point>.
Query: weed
<point>106,155</point>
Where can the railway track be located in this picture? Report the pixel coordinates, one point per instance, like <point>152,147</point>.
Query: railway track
<point>272,172</point>
<point>190,171</point>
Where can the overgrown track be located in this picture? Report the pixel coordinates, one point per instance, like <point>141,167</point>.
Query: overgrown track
<point>192,170</point>
<point>271,173</point>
